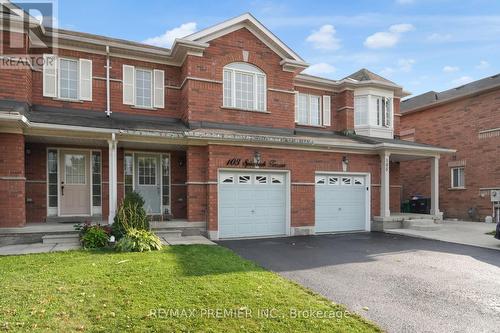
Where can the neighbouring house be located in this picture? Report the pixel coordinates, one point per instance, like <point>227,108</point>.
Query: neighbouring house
<point>464,118</point>
<point>222,131</point>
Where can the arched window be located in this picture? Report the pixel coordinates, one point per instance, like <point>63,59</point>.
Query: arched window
<point>244,87</point>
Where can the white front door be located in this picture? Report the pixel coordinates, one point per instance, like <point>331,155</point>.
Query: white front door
<point>75,182</point>
<point>341,202</point>
<point>252,204</point>
<point>148,181</point>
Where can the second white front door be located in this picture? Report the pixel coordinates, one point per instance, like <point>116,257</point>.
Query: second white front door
<point>148,181</point>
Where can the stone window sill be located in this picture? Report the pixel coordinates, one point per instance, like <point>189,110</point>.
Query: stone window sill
<point>457,189</point>
<point>142,108</point>
<point>245,110</point>
<point>67,100</point>
<point>308,125</point>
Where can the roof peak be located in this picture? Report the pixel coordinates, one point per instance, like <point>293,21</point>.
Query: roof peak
<point>366,75</point>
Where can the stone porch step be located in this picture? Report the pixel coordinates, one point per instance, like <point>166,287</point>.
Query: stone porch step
<point>70,238</point>
<point>167,232</point>
<point>421,224</point>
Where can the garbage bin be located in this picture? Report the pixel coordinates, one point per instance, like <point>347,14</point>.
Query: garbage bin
<point>420,206</point>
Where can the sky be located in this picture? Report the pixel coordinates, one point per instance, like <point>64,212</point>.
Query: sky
<point>420,44</point>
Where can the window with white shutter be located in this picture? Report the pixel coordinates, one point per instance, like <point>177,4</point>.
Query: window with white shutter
<point>327,110</point>
<point>159,90</point>
<point>49,75</point>
<point>85,80</point>
<point>128,85</point>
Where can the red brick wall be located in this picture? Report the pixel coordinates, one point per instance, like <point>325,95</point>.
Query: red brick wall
<point>456,125</point>
<point>12,181</point>
<point>205,98</point>
<point>344,102</point>
<point>203,164</point>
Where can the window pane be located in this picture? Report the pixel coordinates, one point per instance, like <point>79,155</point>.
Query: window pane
<point>143,91</point>
<point>228,83</point>
<point>52,177</point>
<point>147,170</point>
<point>166,180</point>
<point>75,169</point>
<point>68,79</point>
<point>360,110</point>
<point>96,178</point>
<point>244,91</point>
<point>261,93</point>
<point>315,116</point>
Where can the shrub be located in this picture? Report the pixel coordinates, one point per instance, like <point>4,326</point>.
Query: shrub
<point>136,240</point>
<point>94,237</point>
<point>130,214</point>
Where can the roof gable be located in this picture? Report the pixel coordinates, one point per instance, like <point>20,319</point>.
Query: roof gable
<point>366,75</point>
<point>255,27</point>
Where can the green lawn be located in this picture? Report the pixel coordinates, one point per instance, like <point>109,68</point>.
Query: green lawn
<point>107,291</point>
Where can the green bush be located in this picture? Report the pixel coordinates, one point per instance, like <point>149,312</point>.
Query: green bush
<point>136,240</point>
<point>94,237</point>
<point>130,214</point>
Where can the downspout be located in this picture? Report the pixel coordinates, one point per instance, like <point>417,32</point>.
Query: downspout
<point>108,92</point>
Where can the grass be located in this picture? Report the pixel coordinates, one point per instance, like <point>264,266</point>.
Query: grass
<point>112,292</point>
<point>491,233</point>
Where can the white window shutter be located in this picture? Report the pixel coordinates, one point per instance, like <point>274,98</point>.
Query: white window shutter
<point>49,75</point>
<point>296,106</point>
<point>128,80</point>
<point>85,79</point>
<point>159,89</point>
<point>327,110</point>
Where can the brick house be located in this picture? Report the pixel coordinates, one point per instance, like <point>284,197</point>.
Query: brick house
<point>222,132</point>
<point>464,118</point>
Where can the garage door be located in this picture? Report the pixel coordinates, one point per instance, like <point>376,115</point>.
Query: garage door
<point>341,203</point>
<point>252,204</point>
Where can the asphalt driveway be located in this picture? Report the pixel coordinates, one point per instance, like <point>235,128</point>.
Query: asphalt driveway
<point>401,283</point>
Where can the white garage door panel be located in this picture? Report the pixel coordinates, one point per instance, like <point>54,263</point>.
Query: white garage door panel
<point>340,207</point>
<point>251,209</point>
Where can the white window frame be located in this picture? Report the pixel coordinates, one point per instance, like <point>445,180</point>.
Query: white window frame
<point>383,111</point>
<point>361,109</point>
<point>461,180</point>
<point>308,112</point>
<point>151,87</point>
<point>77,61</point>
<point>256,74</point>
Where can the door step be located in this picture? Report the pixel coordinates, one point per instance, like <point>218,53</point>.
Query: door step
<point>74,219</point>
<point>73,239</point>
<point>167,232</point>
<point>421,225</point>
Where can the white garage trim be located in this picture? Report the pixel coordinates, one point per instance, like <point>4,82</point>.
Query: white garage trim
<point>286,173</point>
<point>367,176</point>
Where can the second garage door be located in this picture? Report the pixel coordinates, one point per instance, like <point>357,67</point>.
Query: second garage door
<point>341,202</point>
<point>252,204</point>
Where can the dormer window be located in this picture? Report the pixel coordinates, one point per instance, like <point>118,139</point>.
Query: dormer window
<point>383,107</point>
<point>244,87</point>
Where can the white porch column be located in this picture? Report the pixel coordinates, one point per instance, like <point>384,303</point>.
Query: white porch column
<point>384,185</point>
<point>435,186</point>
<point>113,181</point>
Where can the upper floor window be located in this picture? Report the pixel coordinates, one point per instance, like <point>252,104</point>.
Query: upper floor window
<point>312,110</point>
<point>372,110</point>
<point>67,78</point>
<point>458,177</point>
<point>244,87</point>
<point>143,88</point>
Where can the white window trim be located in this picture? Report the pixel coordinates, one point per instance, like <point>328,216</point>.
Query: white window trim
<point>58,80</point>
<point>255,75</point>
<point>386,120</point>
<point>150,106</point>
<point>308,110</point>
<point>454,186</point>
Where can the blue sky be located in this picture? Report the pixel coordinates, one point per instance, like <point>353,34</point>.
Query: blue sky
<point>420,44</point>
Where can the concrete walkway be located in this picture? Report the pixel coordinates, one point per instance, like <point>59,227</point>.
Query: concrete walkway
<point>35,248</point>
<point>460,232</point>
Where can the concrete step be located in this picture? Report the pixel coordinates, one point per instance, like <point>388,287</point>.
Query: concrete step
<point>167,232</point>
<point>421,224</point>
<point>61,239</point>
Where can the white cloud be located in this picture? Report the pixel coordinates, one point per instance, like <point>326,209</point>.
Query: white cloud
<point>450,69</point>
<point>439,38</point>
<point>385,39</point>
<point>483,64</point>
<point>324,38</point>
<point>320,69</point>
<point>400,28</point>
<point>167,39</point>
<point>406,65</point>
<point>462,80</point>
